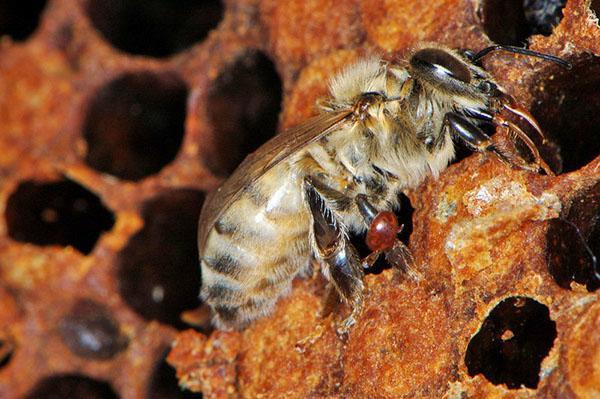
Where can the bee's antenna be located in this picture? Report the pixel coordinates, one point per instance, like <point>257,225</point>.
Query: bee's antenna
<point>518,50</point>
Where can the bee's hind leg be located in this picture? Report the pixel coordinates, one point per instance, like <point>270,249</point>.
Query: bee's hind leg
<point>332,247</point>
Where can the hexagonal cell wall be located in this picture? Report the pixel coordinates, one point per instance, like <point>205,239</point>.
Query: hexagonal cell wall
<point>118,118</point>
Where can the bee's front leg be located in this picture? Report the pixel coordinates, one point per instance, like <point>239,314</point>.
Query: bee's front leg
<point>477,139</point>
<point>473,136</point>
<point>332,247</point>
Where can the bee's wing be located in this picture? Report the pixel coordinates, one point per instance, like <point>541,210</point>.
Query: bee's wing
<point>261,161</point>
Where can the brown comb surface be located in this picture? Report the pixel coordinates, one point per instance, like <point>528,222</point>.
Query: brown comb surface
<point>116,121</point>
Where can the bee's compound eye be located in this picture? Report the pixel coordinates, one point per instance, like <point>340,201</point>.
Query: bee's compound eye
<point>441,63</point>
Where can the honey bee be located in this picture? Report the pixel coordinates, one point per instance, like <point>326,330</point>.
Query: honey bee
<point>385,128</point>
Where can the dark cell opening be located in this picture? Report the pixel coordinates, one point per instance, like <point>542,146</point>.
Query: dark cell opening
<point>164,384</point>
<point>243,107</point>
<point>156,28</point>
<point>135,124</point>
<point>573,241</point>
<point>511,343</point>
<point>404,214</point>
<point>513,21</point>
<point>72,386</point>
<point>57,213</point>
<point>543,15</point>
<point>20,18</point>
<point>159,270</point>
<point>568,110</point>
<point>7,348</point>
<point>90,331</point>
<point>595,7</point>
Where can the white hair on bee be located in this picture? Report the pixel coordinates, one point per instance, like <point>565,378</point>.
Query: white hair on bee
<point>362,76</point>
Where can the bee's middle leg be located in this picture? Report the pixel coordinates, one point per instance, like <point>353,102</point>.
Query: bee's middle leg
<point>332,247</point>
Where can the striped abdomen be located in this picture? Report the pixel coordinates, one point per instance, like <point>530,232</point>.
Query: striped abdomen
<point>255,250</point>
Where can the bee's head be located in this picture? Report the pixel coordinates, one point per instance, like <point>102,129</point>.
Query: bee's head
<point>459,73</point>
<point>473,93</point>
<point>452,73</point>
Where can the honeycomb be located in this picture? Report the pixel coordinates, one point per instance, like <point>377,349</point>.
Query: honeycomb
<point>117,118</point>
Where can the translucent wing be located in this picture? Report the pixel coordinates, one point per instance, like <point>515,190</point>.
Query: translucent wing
<point>261,161</point>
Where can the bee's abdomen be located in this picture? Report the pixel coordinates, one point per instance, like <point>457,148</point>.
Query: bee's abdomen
<point>251,256</point>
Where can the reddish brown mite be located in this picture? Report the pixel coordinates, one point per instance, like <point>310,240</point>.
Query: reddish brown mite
<point>382,236</point>
<point>383,231</point>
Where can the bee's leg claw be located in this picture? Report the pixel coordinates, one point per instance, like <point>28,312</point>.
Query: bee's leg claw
<point>369,260</point>
<point>305,343</point>
<point>515,129</point>
<point>346,325</point>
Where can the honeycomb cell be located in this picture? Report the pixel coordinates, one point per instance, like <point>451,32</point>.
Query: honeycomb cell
<point>568,110</point>
<point>513,21</point>
<point>243,107</point>
<point>159,270</point>
<point>135,124</point>
<point>411,337</point>
<point>512,342</point>
<point>155,28</point>
<point>164,383</point>
<point>72,386</point>
<point>57,213</point>
<point>90,331</point>
<point>19,19</point>
<point>573,242</point>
